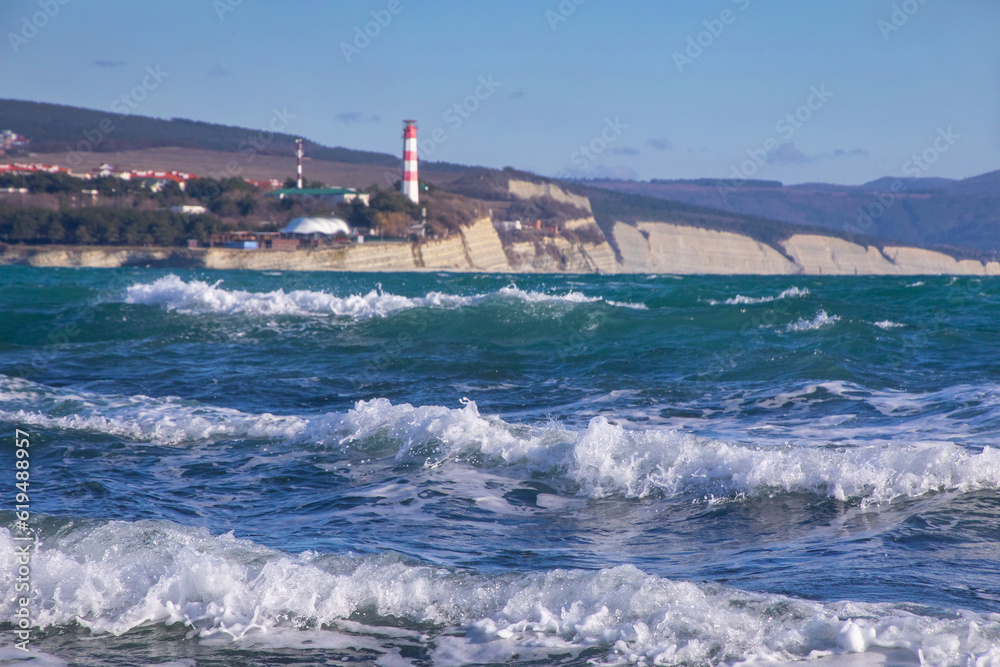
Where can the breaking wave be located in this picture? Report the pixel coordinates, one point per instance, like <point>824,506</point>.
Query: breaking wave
<point>740,300</point>
<point>116,576</point>
<point>602,460</point>
<point>165,421</point>
<point>198,297</point>
<point>818,322</point>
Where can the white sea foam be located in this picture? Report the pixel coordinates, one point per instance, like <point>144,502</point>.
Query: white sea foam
<point>172,293</point>
<point>741,300</point>
<point>888,324</point>
<point>197,297</point>
<point>116,576</point>
<point>606,459</point>
<point>809,415</point>
<point>168,421</point>
<point>820,320</point>
<point>602,460</point>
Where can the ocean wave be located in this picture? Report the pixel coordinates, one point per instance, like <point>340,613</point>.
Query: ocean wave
<point>198,297</point>
<point>602,460</point>
<point>116,576</point>
<point>820,320</point>
<point>888,324</point>
<point>741,300</point>
<point>607,459</point>
<point>195,297</point>
<point>165,421</point>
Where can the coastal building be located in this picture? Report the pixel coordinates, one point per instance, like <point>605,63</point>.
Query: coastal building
<point>189,209</point>
<point>317,226</point>
<point>32,168</point>
<point>11,141</point>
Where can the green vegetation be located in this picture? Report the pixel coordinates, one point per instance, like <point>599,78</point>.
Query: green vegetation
<point>546,209</point>
<point>492,185</point>
<point>102,226</point>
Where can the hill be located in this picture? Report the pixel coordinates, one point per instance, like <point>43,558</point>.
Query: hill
<point>58,128</point>
<point>925,212</point>
<point>928,212</point>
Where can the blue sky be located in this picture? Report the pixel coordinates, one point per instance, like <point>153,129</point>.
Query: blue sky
<point>838,91</point>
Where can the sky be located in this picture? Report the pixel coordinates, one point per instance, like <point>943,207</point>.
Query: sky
<point>838,91</point>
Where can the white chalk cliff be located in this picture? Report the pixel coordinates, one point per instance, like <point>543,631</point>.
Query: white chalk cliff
<point>645,247</point>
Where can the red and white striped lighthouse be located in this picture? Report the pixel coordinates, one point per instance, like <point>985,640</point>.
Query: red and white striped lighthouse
<point>411,188</point>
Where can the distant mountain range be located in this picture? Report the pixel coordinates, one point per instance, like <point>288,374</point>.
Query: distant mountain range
<point>956,215</point>
<point>931,212</point>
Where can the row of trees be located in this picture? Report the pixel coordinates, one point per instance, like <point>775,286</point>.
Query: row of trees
<point>39,183</point>
<point>124,216</point>
<point>103,226</point>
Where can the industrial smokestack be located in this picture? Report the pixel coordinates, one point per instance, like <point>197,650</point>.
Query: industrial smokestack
<point>411,187</point>
<point>298,154</point>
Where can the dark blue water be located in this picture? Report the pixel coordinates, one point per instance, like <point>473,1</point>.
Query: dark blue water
<point>309,468</point>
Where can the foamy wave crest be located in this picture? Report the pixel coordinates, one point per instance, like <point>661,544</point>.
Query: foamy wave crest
<point>605,459</point>
<point>609,460</point>
<point>167,421</point>
<point>198,297</point>
<point>888,324</point>
<point>117,576</point>
<point>818,322</point>
<point>512,291</point>
<point>740,300</point>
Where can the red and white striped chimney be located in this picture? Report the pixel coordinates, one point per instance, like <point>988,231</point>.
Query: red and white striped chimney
<point>298,154</point>
<point>411,187</point>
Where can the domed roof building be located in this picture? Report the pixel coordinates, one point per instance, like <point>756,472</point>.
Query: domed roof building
<point>325,226</point>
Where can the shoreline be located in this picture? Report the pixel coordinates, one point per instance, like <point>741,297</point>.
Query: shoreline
<point>387,258</point>
<point>645,248</point>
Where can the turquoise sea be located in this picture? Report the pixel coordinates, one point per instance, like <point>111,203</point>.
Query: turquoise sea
<point>240,468</point>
